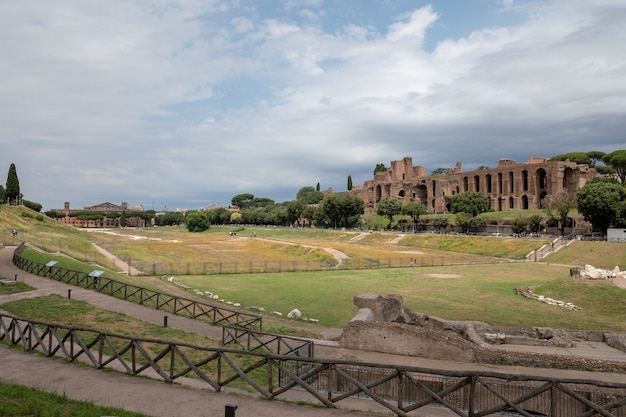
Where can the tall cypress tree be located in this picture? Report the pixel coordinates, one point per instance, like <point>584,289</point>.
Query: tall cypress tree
<point>349,182</point>
<point>12,192</point>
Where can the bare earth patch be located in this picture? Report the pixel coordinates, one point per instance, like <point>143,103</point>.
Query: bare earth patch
<point>444,276</point>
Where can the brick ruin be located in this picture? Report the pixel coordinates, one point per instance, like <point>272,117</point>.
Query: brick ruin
<point>509,186</point>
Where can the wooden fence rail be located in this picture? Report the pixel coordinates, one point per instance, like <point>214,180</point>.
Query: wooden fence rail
<point>186,307</point>
<point>399,389</point>
<point>241,324</point>
<point>254,340</point>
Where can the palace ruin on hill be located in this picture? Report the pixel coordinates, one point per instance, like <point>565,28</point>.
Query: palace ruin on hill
<point>509,186</point>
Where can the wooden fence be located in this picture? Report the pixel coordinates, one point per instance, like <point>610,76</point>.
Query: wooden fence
<point>399,389</point>
<point>253,340</point>
<point>254,267</point>
<point>217,315</point>
<point>240,328</point>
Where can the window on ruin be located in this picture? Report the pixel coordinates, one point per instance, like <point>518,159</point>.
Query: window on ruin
<point>542,179</point>
<point>477,183</point>
<point>488,180</point>
<point>511,182</point>
<point>525,180</point>
<point>465,184</point>
<point>499,204</point>
<point>525,202</point>
<point>500,183</point>
<point>434,187</point>
<point>401,193</point>
<point>511,203</point>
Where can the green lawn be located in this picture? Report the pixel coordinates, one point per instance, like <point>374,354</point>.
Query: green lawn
<point>20,401</point>
<point>476,292</point>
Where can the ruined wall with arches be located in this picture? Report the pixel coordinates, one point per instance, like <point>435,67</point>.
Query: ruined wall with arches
<point>509,186</point>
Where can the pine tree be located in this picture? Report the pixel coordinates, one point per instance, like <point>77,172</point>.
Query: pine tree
<point>12,192</point>
<point>349,182</point>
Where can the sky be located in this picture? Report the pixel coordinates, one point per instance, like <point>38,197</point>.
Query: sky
<point>186,103</point>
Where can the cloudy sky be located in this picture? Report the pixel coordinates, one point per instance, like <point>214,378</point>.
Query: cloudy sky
<point>187,103</point>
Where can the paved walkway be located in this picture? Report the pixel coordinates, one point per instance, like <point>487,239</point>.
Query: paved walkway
<point>160,399</point>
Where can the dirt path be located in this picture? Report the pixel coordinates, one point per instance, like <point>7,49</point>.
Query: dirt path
<point>338,255</point>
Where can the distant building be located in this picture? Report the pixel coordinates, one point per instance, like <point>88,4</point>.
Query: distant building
<point>112,215</point>
<point>509,186</point>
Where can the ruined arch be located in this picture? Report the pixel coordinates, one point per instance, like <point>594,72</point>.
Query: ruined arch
<point>569,179</point>
<point>378,193</point>
<point>525,202</point>
<point>541,187</point>
<point>420,193</point>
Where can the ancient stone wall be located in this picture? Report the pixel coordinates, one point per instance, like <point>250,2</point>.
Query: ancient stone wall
<point>509,186</point>
<point>383,324</point>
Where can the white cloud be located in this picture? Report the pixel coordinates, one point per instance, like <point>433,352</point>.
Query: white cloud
<point>189,101</point>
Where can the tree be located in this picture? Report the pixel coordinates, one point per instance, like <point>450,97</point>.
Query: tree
<point>32,205</point>
<point>595,157</point>
<point>462,221</point>
<point>519,225</point>
<point>12,192</point>
<point>389,207</point>
<point>317,187</point>
<point>441,223</point>
<point>171,218</point>
<point>415,210</point>
<point>600,202</point>
<point>308,195</point>
<point>578,157</point>
<point>294,210</point>
<point>477,223</point>
<point>3,198</point>
<point>440,171</point>
<point>558,208</point>
<point>53,214</point>
<point>262,202</point>
<point>218,216</point>
<point>243,201</point>
<point>535,224</point>
<point>342,210</point>
<point>615,159</point>
<point>196,222</point>
<point>380,167</point>
<point>349,182</point>
<point>235,218</point>
<point>471,202</point>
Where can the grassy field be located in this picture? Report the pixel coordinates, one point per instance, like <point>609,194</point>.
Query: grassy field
<point>468,292</point>
<point>477,292</point>
<point>20,401</point>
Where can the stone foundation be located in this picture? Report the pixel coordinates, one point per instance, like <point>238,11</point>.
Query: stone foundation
<point>383,324</point>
